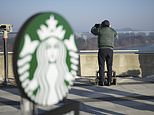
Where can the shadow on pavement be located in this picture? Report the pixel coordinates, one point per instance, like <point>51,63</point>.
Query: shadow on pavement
<point>124,98</point>
<point>97,111</point>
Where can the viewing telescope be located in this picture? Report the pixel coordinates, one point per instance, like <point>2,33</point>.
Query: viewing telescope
<point>6,27</point>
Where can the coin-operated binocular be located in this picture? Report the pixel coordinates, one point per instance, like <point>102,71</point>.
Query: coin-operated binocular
<point>5,29</point>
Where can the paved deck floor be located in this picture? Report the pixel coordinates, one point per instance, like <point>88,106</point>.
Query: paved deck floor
<point>131,96</point>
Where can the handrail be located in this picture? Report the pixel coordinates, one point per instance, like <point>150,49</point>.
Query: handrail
<point>8,53</point>
<point>115,51</point>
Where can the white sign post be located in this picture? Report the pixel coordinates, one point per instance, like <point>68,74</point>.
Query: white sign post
<point>45,59</point>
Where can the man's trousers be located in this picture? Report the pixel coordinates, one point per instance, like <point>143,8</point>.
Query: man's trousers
<point>105,55</point>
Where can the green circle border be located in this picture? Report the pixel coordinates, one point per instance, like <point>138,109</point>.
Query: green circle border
<point>30,27</point>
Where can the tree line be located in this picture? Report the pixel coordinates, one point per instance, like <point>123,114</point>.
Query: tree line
<point>124,40</point>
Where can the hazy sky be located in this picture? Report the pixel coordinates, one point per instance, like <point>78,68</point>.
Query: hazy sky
<point>82,14</point>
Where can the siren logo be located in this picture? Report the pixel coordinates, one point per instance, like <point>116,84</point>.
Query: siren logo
<point>45,58</point>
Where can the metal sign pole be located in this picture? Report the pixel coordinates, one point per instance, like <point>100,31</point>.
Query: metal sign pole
<point>5,38</point>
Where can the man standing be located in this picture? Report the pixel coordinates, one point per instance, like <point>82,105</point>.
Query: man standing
<point>106,36</point>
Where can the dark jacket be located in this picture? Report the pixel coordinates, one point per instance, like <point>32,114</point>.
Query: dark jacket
<point>106,36</point>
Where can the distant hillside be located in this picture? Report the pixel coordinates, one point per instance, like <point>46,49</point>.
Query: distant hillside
<point>125,29</point>
<point>141,48</point>
<point>140,40</point>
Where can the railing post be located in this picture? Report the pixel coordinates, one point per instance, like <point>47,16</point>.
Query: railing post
<point>5,38</point>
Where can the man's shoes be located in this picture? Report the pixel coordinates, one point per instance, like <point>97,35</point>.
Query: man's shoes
<point>101,83</point>
<point>108,83</point>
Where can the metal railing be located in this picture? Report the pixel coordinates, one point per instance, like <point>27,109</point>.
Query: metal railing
<point>116,51</point>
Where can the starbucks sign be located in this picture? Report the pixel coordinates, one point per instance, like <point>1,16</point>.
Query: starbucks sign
<point>45,58</point>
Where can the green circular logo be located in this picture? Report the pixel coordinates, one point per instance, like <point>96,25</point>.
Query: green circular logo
<point>45,58</point>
